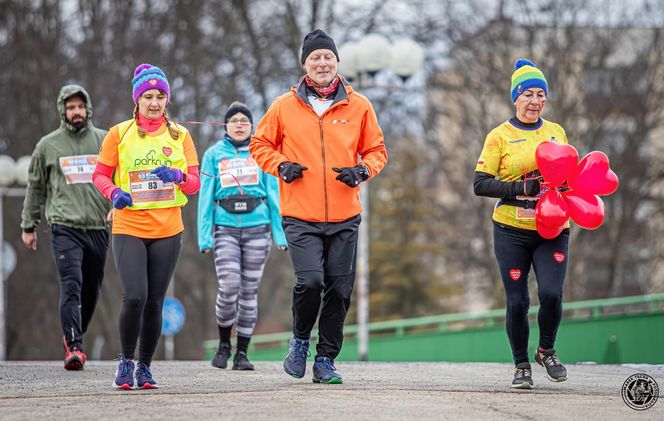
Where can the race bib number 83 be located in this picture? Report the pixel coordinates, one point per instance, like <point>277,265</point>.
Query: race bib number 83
<point>148,188</point>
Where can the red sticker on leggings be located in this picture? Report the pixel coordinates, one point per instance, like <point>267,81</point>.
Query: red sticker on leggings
<point>515,274</point>
<point>558,256</point>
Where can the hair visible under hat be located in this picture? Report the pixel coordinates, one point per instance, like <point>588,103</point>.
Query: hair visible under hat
<point>526,75</point>
<point>315,40</point>
<point>146,77</point>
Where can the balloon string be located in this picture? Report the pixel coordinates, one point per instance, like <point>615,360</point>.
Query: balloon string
<point>239,186</point>
<point>563,188</point>
<point>211,123</point>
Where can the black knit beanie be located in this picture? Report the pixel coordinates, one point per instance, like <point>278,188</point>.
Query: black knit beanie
<point>315,40</point>
<point>237,107</point>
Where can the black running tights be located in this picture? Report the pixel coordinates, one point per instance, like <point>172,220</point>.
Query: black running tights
<point>145,267</point>
<point>516,251</point>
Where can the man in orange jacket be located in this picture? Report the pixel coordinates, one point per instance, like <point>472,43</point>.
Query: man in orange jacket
<point>311,138</point>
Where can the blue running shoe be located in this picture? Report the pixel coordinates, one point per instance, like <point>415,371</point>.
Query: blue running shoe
<point>144,379</point>
<point>295,363</point>
<point>124,375</point>
<point>324,371</point>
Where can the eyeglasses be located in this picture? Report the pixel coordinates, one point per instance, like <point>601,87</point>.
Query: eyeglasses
<point>240,121</point>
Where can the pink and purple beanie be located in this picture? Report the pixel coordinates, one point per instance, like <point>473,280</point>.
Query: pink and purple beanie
<point>146,77</point>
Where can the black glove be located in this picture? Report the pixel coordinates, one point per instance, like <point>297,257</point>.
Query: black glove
<point>291,171</point>
<point>530,187</point>
<point>352,176</point>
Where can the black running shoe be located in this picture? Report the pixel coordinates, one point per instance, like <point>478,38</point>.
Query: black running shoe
<point>548,359</point>
<point>523,376</point>
<point>241,362</point>
<point>220,359</point>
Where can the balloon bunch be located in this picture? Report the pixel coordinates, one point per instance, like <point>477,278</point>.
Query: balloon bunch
<point>574,188</point>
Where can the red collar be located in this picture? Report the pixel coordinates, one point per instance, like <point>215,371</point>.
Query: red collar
<point>150,125</point>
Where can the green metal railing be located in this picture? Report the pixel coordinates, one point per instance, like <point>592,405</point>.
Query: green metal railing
<point>485,328</point>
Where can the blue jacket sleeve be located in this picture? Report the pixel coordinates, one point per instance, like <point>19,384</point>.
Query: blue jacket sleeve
<point>206,200</point>
<point>272,187</point>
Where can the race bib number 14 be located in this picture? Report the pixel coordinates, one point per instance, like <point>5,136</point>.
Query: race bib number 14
<point>78,168</point>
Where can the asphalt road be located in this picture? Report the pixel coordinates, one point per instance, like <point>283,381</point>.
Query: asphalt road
<point>193,390</point>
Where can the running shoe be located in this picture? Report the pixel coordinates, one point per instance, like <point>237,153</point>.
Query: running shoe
<point>241,362</point>
<point>220,359</point>
<point>124,375</point>
<point>74,358</point>
<point>295,363</point>
<point>325,372</point>
<point>547,358</point>
<point>143,377</point>
<point>523,376</point>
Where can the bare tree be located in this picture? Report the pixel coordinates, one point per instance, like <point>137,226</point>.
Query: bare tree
<point>603,87</point>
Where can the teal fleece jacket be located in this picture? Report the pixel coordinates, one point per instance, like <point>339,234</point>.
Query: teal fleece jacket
<point>225,155</point>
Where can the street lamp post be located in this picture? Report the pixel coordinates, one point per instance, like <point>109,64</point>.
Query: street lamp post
<point>11,171</point>
<point>361,61</point>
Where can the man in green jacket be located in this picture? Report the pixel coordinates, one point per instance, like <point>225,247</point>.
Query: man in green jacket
<point>60,181</point>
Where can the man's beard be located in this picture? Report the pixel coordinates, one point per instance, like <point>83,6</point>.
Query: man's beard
<point>78,124</point>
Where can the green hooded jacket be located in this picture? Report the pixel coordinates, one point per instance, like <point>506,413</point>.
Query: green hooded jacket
<point>77,205</point>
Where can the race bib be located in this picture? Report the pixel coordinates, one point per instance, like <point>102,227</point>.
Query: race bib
<point>524,214</point>
<point>78,168</point>
<point>148,188</point>
<point>244,170</point>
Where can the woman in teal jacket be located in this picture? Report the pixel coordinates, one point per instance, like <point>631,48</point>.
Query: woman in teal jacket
<point>238,217</point>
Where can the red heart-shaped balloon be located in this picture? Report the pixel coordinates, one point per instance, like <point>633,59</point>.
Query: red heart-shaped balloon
<point>556,161</point>
<point>594,176</point>
<point>548,232</point>
<point>586,210</point>
<point>551,214</point>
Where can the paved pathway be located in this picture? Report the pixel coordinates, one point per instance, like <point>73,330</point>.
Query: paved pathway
<point>193,390</point>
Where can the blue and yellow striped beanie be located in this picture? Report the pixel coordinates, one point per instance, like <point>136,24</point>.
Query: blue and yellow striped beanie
<point>526,75</point>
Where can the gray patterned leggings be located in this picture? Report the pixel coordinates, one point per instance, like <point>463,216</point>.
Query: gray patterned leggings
<point>239,258</point>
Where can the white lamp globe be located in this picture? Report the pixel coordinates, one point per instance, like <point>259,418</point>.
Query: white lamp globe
<point>7,174</point>
<point>407,58</point>
<point>21,170</point>
<point>375,54</point>
<point>349,60</point>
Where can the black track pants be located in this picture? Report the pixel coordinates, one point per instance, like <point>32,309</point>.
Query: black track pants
<point>80,256</point>
<point>323,255</point>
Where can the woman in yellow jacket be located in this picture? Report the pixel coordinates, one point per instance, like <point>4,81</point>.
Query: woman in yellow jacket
<point>311,138</point>
<point>155,167</point>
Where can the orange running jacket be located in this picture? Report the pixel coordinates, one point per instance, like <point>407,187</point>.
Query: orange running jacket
<point>292,131</point>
